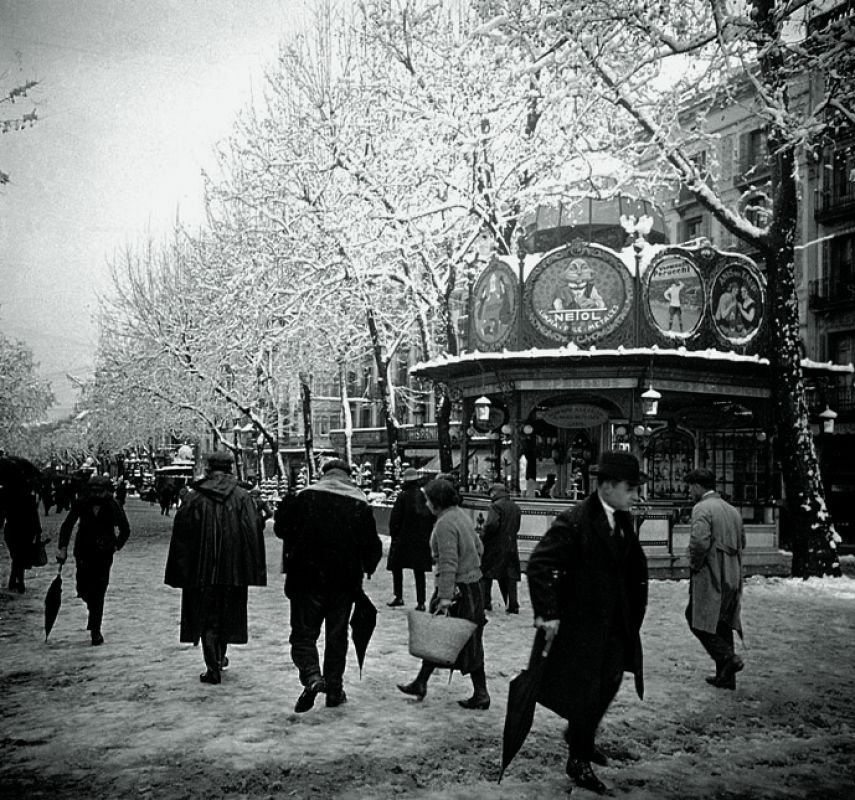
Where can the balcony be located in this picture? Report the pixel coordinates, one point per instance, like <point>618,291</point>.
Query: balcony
<point>827,294</point>
<point>832,206</point>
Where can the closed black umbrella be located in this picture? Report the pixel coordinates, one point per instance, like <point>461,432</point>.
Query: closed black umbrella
<point>16,471</point>
<point>53,600</point>
<point>522,700</point>
<point>362,623</point>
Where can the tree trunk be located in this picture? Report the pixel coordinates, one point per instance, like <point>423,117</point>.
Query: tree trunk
<point>443,427</point>
<point>814,537</point>
<point>309,440</point>
<point>345,412</point>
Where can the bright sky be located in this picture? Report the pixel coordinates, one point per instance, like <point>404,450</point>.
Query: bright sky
<point>133,97</point>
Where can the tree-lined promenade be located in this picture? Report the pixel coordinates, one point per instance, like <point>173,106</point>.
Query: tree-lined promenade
<point>393,151</point>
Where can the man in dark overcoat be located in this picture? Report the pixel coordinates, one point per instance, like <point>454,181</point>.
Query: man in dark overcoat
<point>216,552</point>
<point>329,541</point>
<point>19,518</point>
<point>715,586</point>
<point>587,579</point>
<point>410,526</point>
<point>100,517</point>
<point>501,559</point>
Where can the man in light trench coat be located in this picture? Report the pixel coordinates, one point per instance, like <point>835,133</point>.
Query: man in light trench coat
<point>715,588</point>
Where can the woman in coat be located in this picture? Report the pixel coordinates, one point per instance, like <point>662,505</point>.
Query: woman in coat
<point>457,552</point>
<point>410,526</point>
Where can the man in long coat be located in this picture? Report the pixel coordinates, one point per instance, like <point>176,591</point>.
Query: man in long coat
<point>19,510</point>
<point>329,541</point>
<point>715,586</point>
<point>410,526</point>
<point>587,579</point>
<point>501,559</point>
<point>103,530</point>
<point>216,552</point>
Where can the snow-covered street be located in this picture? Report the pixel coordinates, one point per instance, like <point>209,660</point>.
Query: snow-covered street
<point>131,719</point>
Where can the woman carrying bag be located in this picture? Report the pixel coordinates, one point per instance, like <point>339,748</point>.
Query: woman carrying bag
<point>456,550</point>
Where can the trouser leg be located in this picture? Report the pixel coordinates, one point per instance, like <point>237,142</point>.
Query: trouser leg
<point>487,591</point>
<point>336,617</point>
<point>719,645</point>
<point>306,619</point>
<point>510,593</point>
<point>582,726</point>
<point>213,646</point>
<point>398,582</point>
<point>420,586</point>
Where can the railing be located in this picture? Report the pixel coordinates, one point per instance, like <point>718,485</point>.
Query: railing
<point>830,205</point>
<point>824,293</point>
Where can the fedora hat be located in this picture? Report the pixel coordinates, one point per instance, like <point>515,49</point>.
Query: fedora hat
<point>618,465</point>
<point>410,474</point>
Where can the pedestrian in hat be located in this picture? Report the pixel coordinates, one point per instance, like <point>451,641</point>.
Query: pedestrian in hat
<point>329,543</point>
<point>410,525</point>
<point>216,552</point>
<point>592,612</point>
<point>501,559</point>
<point>715,585</point>
<point>103,530</point>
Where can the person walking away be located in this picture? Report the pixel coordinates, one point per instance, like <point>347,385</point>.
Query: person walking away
<point>715,585</point>
<point>501,559</point>
<point>457,551</point>
<point>329,541</point>
<point>165,497</point>
<point>592,613</point>
<point>410,525</point>
<point>102,530</point>
<point>262,507</point>
<point>215,553</point>
<point>22,529</point>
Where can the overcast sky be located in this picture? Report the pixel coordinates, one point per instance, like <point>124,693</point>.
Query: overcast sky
<point>133,97</point>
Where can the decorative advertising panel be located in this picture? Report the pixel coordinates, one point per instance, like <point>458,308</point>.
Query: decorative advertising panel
<point>737,299</point>
<point>675,295</point>
<point>495,300</point>
<point>578,294</point>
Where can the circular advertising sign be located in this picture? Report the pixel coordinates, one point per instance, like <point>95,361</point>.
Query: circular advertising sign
<point>578,294</point>
<point>494,306</point>
<point>675,295</point>
<point>737,300</point>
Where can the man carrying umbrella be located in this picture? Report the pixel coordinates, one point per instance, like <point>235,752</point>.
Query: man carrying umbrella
<point>329,541</point>
<point>99,517</point>
<point>216,552</point>
<point>592,613</point>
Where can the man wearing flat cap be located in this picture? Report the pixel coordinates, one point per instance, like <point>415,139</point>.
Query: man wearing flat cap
<point>410,526</point>
<point>216,552</point>
<point>715,586</point>
<point>587,580</point>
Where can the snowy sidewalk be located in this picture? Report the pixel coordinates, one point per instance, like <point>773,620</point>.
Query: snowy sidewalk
<point>130,719</point>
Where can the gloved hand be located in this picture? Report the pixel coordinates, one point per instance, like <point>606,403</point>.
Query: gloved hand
<point>61,554</point>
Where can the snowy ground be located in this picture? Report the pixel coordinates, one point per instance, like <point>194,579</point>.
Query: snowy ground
<point>131,720</point>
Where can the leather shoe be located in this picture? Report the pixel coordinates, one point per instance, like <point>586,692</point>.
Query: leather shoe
<point>720,682</point>
<point>728,672</point>
<point>420,607</point>
<point>210,677</point>
<point>395,602</point>
<point>582,775</point>
<point>336,698</point>
<point>97,639</point>
<point>416,689</point>
<point>478,702</point>
<point>307,698</point>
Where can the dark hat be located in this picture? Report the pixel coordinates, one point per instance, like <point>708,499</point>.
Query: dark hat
<point>619,465</point>
<point>100,482</point>
<point>410,474</point>
<point>336,463</point>
<point>499,489</point>
<point>702,476</point>
<point>220,460</point>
